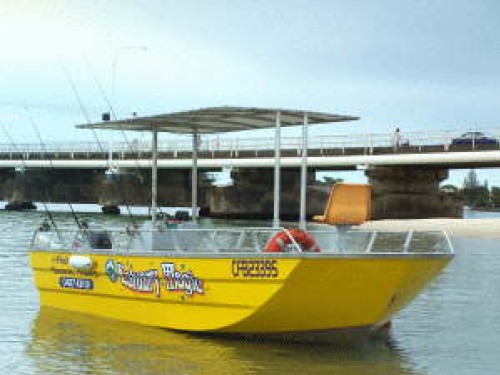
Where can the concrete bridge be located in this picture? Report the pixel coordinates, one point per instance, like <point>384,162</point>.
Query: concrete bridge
<point>405,178</point>
<point>325,152</point>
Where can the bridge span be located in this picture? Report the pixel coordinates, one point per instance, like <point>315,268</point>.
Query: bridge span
<point>405,179</point>
<point>335,152</point>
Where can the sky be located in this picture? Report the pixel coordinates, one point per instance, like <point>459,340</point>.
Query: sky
<point>419,65</point>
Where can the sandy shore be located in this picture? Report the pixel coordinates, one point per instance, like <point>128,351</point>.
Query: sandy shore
<point>456,227</point>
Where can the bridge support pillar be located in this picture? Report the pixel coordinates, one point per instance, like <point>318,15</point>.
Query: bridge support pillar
<point>109,195</point>
<point>251,196</point>
<point>410,193</point>
<point>18,199</point>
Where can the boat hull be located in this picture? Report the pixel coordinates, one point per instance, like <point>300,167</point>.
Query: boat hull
<point>265,294</point>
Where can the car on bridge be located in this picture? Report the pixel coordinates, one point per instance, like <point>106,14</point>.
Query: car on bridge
<point>474,138</point>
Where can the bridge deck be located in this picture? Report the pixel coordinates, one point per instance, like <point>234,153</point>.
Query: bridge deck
<point>215,152</point>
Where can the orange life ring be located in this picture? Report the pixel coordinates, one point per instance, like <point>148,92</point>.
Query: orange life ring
<point>280,240</point>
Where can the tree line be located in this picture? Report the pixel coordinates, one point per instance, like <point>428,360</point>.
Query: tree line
<point>474,193</point>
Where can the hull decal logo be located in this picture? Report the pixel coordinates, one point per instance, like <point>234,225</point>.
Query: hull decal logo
<point>152,281</point>
<point>138,281</point>
<point>177,281</point>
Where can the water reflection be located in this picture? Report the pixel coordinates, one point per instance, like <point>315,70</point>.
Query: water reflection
<point>69,343</point>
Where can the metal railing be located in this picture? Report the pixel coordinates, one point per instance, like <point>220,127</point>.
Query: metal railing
<point>251,241</point>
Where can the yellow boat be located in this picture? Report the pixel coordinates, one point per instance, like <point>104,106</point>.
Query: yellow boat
<point>265,281</point>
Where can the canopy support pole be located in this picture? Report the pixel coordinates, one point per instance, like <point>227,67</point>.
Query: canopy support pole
<point>194,177</point>
<point>303,175</point>
<point>154,177</point>
<point>277,171</point>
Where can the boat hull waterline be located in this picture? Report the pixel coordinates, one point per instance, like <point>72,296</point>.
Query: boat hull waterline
<point>264,294</point>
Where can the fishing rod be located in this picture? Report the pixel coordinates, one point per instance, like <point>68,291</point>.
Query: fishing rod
<point>113,113</point>
<point>52,168</point>
<point>99,143</point>
<point>47,211</point>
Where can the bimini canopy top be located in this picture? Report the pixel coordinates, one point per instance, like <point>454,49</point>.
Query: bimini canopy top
<point>222,120</point>
<point>218,120</point>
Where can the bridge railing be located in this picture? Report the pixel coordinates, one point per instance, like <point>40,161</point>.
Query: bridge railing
<point>232,147</point>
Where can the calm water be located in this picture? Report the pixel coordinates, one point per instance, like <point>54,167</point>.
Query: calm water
<point>453,328</point>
